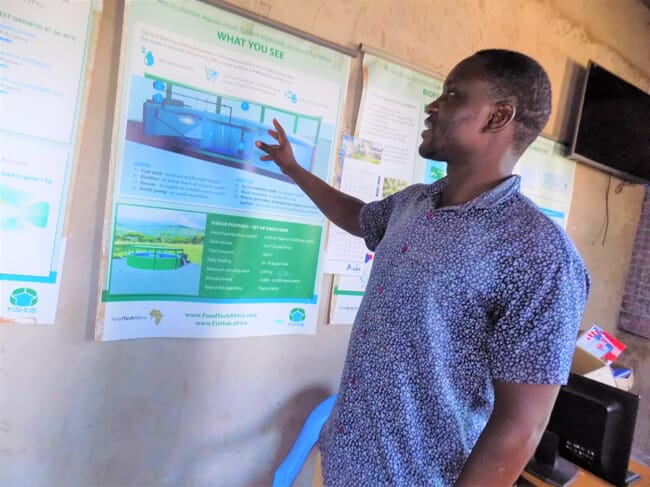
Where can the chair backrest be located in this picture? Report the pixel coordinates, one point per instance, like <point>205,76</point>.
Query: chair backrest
<point>307,438</point>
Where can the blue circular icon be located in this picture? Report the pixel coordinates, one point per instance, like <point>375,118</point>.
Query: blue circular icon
<point>158,98</point>
<point>159,85</point>
<point>245,106</point>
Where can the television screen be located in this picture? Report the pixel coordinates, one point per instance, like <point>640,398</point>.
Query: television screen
<point>613,130</point>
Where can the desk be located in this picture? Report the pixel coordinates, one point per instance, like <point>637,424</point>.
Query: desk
<point>585,479</point>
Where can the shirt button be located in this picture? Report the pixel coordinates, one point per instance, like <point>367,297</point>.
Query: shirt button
<point>340,428</point>
<point>380,289</point>
<point>404,249</point>
<point>363,333</point>
<point>353,381</point>
<point>430,214</point>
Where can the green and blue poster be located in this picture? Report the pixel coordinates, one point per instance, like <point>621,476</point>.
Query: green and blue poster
<point>204,240</point>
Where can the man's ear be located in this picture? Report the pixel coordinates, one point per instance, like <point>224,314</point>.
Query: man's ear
<point>504,113</point>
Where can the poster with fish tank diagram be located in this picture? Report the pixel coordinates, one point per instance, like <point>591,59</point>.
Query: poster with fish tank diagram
<point>204,240</point>
<point>45,53</point>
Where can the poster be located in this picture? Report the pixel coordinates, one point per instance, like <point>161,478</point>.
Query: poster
<point>391,115</point>
<point>391,118</point>
<point>45,53</point>
<point>204,240</point>
<point>547,178</point>
<point>358,173</point>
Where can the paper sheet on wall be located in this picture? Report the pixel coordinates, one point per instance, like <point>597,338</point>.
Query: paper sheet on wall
<point>45,53</point>
<point>358,173</point>
<point>391,117</point>
<point>204,239</point>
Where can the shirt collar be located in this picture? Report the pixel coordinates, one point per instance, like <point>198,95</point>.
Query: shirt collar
<point>489,199</point>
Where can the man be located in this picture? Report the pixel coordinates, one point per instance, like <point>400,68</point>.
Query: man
<point>469,319</point>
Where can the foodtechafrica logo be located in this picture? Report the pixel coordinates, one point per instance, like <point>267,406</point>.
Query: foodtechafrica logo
<point>23,299</point>
<point>297,317</point>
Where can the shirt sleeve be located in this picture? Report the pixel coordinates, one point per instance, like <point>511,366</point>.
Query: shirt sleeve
<point>374,217</point>
<point>542,301</point>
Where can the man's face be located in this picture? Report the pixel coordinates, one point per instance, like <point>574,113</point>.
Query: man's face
<point>454,127</point>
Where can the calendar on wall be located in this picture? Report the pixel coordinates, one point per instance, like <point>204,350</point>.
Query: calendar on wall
<point>358,174</point>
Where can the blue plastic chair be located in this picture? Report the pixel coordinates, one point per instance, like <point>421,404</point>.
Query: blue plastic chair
<point>307,438</point>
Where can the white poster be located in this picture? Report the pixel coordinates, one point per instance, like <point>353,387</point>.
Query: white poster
<point>44,52</point>
<point>391,118</point>
<point>359,175</point>
<point>547,178</point>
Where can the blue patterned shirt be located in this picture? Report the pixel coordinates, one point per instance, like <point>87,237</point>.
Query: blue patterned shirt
<point>458,297</point>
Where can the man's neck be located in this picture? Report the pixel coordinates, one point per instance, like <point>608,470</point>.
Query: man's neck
<point>465,184</point>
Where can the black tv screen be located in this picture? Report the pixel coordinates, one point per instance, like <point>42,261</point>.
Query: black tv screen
<point>613,130</point>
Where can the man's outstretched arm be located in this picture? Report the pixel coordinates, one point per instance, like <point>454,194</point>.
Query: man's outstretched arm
<point>520,415</point>
<point>340,208</point>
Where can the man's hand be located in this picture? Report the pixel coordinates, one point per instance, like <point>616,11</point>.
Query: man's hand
<point>281,153</point>
<point>342,209</point>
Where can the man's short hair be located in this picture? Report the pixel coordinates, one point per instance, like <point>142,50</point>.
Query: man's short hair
<point>514,75</point>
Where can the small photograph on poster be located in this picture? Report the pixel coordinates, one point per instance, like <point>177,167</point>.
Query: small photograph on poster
<point>392,186</point>
<point>156,251</point>
<point>358,149</point>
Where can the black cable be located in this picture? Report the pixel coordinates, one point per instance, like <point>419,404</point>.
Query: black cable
<point>606,222</point>
<point>609,181</point>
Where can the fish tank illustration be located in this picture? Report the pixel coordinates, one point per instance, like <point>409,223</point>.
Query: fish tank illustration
<point>155,258</point>
<point>221,129</point>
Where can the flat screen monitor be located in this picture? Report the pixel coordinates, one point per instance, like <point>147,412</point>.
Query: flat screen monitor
<point>595,425</point>
<point>613,126</point>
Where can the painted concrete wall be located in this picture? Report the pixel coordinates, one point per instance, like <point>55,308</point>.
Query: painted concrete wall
<point>225,412</point>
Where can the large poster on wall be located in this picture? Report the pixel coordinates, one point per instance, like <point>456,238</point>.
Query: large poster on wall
<point>204,240</point>
<point>45,53</point>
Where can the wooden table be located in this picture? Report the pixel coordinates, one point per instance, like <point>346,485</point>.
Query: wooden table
<point>584,479</point>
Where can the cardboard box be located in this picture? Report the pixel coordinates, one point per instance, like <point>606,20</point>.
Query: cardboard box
<point>624,383</point>
<point>592,367</point>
